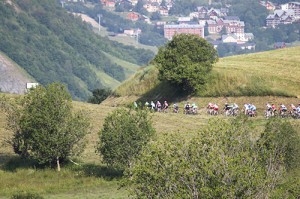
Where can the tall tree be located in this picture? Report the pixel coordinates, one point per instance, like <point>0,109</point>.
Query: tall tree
<point>45,128</point>
<point>186,61</point>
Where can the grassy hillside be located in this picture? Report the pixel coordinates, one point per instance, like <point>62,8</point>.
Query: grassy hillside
<point>92,179</point>
<point>261,74</point>
<point>53,45</point>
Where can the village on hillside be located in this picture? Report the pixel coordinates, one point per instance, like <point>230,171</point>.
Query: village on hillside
<point>214,24</point>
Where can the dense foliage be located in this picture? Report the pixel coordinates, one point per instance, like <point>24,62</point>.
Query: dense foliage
<point>123,135</point>
<point>52,45</point>
<point>251,12</point>
<point>222,161</point>
<point>186,61</point>
<point>185,7</point>
<point>44,126</point>
<point>99,95</point>
<point>118,24</point>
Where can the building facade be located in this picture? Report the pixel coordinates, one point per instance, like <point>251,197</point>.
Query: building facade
<point>171,30</point>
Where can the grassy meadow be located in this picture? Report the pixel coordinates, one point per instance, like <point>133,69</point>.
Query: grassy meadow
<point>277,70</point>
<point>92,179</point>
<point>271,73</point>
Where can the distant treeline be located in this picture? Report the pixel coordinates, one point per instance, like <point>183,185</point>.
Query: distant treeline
<point>52,45</point>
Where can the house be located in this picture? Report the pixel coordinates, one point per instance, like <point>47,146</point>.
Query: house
<point>133,2</point>
<point>171,30</point>
<point>30,86</point>
<point>215,26</point>
<point>184,20</point>
<point>280,17</point>
<point>133,16</point>
<point>244,37</point>
<point>232,18</point>
<point>268,5</point>
<point>132,32</point>
<point>234,26</point>
<point>230,38</point>
<point>215,43</point>
<point>249,36</point>
<point>247,46</point>
<point>194,15</point>
<point>163,11</point>
<point>295,6</point>
<point>202,11</point>
<point>213,13</point>
<point>152,7</point>
<point>110,4</point>
<point>279,45</point>
<point>224,12</point>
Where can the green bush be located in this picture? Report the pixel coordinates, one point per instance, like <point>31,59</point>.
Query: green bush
<point>25,195</point>
<point>124,134</point>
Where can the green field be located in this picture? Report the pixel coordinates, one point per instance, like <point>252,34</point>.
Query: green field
<point>92,179</point>
<point>259,74</point>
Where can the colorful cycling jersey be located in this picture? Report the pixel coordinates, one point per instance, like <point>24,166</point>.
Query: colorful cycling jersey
<point>293,106</point>
<point>210,105</point>
<point>252,107</point>
<point>283,107</point>
<point>166,104</point>
<point>235,106</point>
<point>158,104</point>
<point>152,104</point>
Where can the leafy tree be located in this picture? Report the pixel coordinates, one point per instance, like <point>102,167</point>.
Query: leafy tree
<point>123,135</point>
<point>186,61</point>
<point>251,12</point>
<point>139,7</point>
<point>99,95</point>
<point>45,128</point>
<point>222,161</point>
<point>123,6</point>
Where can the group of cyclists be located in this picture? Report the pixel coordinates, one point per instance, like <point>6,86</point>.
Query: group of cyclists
<point>282,111</point>
<point>228,110</point>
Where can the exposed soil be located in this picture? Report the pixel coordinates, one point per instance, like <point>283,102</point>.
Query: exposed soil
<point>12,78</point>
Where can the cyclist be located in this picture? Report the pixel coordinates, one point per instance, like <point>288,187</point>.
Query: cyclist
<point>166,106</point>
<point>187,107</point>
<point>152,105</point>
<point>235,108</point>
<point>210,108</point>
<point>175,108</point>
<point>194,108</point>
<point>282,109</point>
<point>216,109</point>
<point>158,106</point>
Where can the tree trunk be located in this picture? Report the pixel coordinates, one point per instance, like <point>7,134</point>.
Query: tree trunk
<point>58,165</point>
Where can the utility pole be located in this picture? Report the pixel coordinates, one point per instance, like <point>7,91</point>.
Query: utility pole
<point>99,18</point>
<point>137,36</point>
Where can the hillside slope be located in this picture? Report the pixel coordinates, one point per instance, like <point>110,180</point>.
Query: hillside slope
<point>261,74</point>
<point>12,78</point>
<point>53,45</point>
